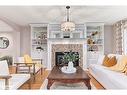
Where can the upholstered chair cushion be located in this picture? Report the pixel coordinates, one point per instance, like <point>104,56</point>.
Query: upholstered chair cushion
<point>21,59</point>
<point>4,68</point>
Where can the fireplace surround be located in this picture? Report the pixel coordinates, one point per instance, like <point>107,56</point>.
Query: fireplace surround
<point>66,48</point>
<point>65,45</point>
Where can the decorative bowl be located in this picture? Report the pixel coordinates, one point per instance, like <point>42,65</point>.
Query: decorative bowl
<point>65,69</point>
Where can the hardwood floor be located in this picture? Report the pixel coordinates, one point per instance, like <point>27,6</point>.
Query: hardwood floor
<point>96,83</point>
<point>40,79</point>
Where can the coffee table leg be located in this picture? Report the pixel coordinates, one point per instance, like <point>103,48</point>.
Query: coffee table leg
<point>87,82</point>
<point>50,82</point>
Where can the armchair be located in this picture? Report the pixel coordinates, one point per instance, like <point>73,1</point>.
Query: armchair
<point>11,81</point>
<point>32,66</point>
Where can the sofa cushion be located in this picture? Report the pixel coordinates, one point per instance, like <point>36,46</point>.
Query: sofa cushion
<point>116,55</point>
<point>121,64</point>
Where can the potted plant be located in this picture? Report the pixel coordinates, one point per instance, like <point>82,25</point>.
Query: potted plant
<point>70,57</point>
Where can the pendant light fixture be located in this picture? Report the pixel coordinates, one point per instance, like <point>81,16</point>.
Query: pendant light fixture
<point>67,26</point>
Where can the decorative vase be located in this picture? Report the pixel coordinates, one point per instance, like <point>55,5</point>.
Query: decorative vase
<point>70,65</point>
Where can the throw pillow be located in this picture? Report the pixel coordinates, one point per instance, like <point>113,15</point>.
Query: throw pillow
<point>109,62</point>
<point>121,64</point>
<point>106,58</point>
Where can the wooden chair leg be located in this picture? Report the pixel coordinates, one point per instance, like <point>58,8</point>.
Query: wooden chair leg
<point>6,84</point>
<point>34,72</point>
<point>42,71</point>
<point>34,77</point>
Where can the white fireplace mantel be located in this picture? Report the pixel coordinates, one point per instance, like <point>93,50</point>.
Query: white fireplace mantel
<point>66,40</point>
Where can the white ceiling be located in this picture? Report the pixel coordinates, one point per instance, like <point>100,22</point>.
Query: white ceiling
<point>23,15</point>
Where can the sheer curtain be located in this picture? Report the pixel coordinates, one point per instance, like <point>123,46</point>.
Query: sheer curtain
<point>120,29</point>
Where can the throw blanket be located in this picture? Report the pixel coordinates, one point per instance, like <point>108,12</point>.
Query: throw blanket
<point>9,59</point>
<point>121,65</point>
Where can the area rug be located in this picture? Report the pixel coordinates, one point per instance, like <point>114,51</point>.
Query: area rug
<point>63,86</point>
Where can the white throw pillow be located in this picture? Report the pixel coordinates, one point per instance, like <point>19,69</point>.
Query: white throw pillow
<point>4,68</point>
<point>100,59</point>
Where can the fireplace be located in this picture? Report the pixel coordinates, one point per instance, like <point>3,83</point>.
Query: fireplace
<point>59,59</point>
<point>65,48</point>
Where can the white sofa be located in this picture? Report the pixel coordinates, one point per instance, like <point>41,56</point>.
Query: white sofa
<point>107,78</point>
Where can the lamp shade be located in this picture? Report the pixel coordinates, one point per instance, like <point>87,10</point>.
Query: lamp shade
<point>67,26</point>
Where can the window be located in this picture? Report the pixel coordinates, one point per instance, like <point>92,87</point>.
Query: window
<point>125,41</point>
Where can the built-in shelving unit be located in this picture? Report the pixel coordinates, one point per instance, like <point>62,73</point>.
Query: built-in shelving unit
<point>55,32</point>
<point>95,41</point>
<point>38,40</point>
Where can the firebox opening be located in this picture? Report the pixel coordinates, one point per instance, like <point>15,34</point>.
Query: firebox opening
<point>59,59</point>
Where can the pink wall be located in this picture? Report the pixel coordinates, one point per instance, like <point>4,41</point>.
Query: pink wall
<point>14,44</point>
<point>25,40</point>
<point>13,35</point>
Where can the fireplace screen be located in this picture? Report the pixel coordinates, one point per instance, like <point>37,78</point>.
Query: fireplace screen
<point>59,59</point>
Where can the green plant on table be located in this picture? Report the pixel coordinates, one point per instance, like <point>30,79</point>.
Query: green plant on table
<point>70,56</point>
